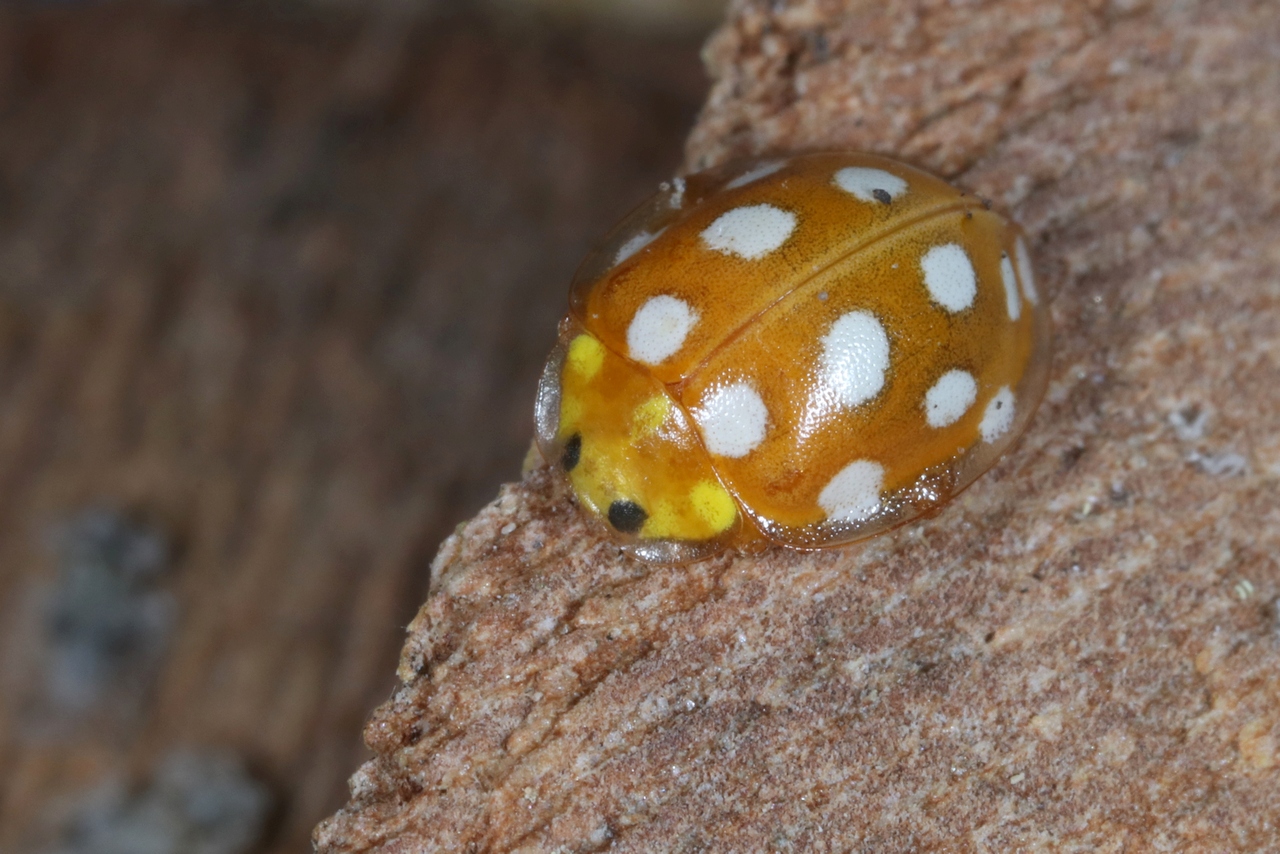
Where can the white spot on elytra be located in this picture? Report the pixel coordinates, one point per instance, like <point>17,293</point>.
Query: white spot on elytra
<point>750,232</point>
<point>1011,300</point>
<point>853,495</point>
<point>764,170</point>
<point>949,276</point>
<point>855,357</point>
<point>733,419</point>
<point>659,328</point>
<point>862,183</point>
<point>998,417</point>
<point>1025,273</point>
<point>950,398</point>
<point>634,244</point>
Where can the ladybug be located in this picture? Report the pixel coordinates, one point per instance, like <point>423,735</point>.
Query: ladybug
<point>803,351</point>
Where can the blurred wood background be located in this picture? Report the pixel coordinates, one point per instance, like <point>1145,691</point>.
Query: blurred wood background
<point>278,286</point>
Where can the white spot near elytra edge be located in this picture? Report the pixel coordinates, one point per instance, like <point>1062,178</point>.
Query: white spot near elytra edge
<point>950,398</point>
<point>750,232</point>
<point>659,328</point>
<point>949,276</point>
<point>853,495</point>
<point>733,420</point>
<point>1011,300</point>
<point>634,245</point>
<point>764,170</point>
<point>862,183</point>
<point>1025,272</point>
<point>998,417</point>
<point>855,357</point>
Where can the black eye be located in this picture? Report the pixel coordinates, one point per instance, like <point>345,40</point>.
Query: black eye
<point>627,516</point>
<point>572,452</point>
<point>882,196</point>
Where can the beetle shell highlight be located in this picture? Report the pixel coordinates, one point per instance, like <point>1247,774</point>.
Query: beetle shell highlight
<point>804,351</point>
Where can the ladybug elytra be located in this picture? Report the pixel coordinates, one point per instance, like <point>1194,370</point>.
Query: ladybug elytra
<point>803,351</point>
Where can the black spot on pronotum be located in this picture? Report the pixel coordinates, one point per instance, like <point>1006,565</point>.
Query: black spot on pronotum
<point>572,452</point>
<point>627,516</point>
<point>882,196</point>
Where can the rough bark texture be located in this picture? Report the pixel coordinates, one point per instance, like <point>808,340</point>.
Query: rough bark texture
<point>281,287</point>
<point>1077,655</point>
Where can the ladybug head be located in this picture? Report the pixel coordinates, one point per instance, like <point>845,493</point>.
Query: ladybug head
<point>629,451</point>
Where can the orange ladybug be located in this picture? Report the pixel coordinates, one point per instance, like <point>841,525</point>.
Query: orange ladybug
<point>804,351</point>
